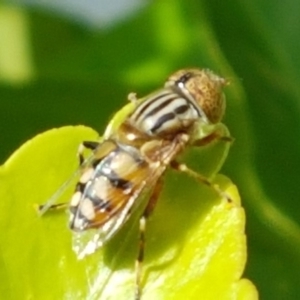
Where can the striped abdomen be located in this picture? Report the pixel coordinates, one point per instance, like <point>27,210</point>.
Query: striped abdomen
<point>113,177</point>
<point>165,113</point>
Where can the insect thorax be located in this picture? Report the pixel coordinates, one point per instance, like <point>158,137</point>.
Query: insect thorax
<point>164,114</point>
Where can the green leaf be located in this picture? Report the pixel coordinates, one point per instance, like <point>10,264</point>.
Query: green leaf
<point>202,245</point>
<point>55,71</point>
<point>36,257</point>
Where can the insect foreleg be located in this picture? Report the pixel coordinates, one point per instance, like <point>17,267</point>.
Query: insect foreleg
<point>85,145</point>
<point>49,204</point>
<point>132,97</point>
<point>183,168</point>
<point>214,136</point>
<point>142,228</point>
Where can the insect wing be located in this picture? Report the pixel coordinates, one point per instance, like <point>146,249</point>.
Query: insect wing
<point>114,190</point>
<point>62,189</point>
<point>87,242</point>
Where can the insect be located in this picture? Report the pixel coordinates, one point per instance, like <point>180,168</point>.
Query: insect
<point>136,150</point>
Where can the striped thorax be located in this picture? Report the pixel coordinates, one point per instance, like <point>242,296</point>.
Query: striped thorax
<point>189,97</point>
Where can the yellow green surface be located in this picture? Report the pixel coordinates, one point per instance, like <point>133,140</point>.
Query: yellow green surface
<point>58,68</point>
<point>196,243</point>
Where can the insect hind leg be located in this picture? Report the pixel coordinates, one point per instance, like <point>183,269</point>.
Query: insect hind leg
<point>142,228</point>
<point>185,169</point>
<point>52,207</point>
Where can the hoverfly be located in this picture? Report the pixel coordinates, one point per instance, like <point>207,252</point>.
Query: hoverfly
<point>135,152</point>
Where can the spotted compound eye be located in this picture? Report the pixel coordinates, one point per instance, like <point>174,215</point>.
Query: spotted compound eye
<point>205,89</point>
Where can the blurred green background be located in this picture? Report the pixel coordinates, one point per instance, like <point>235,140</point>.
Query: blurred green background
<point>64,62</point>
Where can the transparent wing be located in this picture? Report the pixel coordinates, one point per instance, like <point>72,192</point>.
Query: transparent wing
<point>87,242</point>
<point>60,191</point>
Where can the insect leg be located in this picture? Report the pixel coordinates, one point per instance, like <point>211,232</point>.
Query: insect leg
<point>184,168</point>
<point>142,228</point>
<point>85,145</point>
<point>48,205</point>
<point>57,206</point>
<point>216,135</point>
<point>132,97</point>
